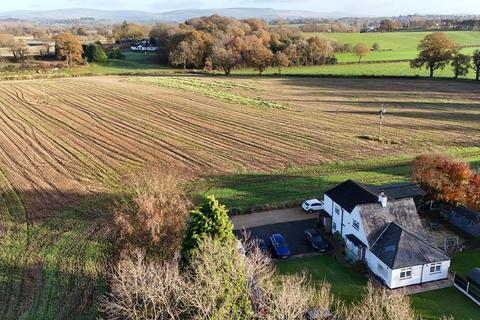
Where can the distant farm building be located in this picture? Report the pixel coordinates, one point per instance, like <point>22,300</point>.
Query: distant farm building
<point>143,45</point>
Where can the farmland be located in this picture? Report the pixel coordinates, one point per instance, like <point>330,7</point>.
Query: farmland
<point>384,69</point>
<point>394,47</point>
<point>74,135</point>
<point>67,144</point>
<point>399,40</point>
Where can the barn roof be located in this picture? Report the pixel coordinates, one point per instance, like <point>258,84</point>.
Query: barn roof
<point>398,248</point>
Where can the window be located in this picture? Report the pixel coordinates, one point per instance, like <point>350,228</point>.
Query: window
<point>334,227</point>
<point>337,209</point>
<point>405,273</point>
<point>356,225</point>
<point>436,267</point>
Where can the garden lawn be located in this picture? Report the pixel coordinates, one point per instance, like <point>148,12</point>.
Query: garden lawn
<point>445,302</point>
<point>466,261</point>
<point>346,283</point>
<point>349,285</point>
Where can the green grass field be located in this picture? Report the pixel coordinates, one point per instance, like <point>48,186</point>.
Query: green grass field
<point>349,285</point>
<point>133,63</point>
<point>390,55</point>
<point>399,40</point>
<point>260,191</point>
<point>389,69</point>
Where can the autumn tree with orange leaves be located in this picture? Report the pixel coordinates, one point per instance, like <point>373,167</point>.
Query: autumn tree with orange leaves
<point>447,179</point>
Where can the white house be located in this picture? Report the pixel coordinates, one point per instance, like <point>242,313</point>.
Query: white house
<point>386,232</point>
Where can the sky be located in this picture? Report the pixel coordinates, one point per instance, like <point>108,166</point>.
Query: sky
<point>352,7</point>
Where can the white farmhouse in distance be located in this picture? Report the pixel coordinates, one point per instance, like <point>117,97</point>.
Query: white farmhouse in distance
<point>386,233</point>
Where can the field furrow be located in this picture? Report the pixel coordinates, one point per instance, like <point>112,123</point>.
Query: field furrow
<point>62,139</point>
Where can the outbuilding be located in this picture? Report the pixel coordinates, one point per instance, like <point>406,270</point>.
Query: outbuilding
<point>473,276</point>
<point>466,219</point>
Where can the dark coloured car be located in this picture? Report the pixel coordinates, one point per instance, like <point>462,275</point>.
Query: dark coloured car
<point>316,240</point>
<point>260,243</point>
<point>279,246</point>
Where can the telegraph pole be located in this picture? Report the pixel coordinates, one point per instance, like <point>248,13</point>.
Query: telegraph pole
<point>381,113</point>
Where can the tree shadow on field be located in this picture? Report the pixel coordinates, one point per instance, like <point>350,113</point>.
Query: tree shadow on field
<point>35,292</point>
<point>402,85</point>
<point>248,193</point>
<point>55,267</point>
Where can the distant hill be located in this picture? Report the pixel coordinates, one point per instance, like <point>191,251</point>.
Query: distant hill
<point>170,16</point>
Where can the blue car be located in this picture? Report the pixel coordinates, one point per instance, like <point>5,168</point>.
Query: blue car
<point>279,246</point>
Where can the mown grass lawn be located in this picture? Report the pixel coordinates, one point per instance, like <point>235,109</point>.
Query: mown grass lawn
<point>346,283</point>
<point>445,302</point>
<point>349,285</point>
<point>435,304</point>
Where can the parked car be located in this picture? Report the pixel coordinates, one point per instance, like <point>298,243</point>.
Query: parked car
<point>312,205</point>
<point>279,246</point>
<point>316,240</point>
<point>260,243</point>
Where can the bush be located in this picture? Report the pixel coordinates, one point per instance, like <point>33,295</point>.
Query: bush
<point>115,53</point>
<point>376,46</point>
<point>95,53</point>
<point>208,220</point>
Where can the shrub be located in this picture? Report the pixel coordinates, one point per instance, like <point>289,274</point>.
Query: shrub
<point>208,220</point>
<point>115,53</point>
<point>95,53</point>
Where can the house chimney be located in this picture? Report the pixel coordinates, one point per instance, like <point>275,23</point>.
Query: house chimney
<point>382,198</point>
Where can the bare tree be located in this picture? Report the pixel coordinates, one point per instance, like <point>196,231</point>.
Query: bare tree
<point>157,217</point>
<point>144,290</point>
<point>361,50</point>
<point>379,304</point>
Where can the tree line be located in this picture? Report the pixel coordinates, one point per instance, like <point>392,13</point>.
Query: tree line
<point>221,43</point>
<point>437,50</point>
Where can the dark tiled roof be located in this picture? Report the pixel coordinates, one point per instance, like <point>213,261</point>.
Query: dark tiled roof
<point>398,248</point>
<point>470,214</point>
<point>353,239</point>
<point>375,217</point>
<point>350,193</point>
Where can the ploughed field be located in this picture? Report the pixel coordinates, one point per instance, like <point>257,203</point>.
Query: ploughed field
<point>67,138</point>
